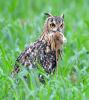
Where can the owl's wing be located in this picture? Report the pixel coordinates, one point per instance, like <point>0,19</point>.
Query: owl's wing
<point>22,60</point>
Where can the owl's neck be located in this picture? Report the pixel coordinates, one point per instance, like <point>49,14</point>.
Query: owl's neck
<point>49,39</point>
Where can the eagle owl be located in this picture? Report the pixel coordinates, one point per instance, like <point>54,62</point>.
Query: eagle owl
<point>46,50</point>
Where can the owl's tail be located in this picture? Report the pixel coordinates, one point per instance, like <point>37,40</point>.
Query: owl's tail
<point>15,70</point>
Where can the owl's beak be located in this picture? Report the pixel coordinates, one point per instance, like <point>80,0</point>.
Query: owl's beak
<point>59,30</point>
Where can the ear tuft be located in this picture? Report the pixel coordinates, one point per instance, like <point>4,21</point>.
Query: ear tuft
<point>48,14</point>
<point>62,16</point>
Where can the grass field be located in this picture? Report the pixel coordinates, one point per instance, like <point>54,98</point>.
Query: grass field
<point>21,23</point>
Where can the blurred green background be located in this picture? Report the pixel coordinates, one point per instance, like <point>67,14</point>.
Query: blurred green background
<point>21,23</point>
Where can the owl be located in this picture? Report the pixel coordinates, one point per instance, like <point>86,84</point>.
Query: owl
<point>47,49</point>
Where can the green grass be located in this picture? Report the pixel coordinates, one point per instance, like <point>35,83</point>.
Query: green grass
<point>21,23</point>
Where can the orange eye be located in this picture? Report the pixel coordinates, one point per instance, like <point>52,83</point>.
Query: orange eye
<point>61,26</point>
<point>52,25</point>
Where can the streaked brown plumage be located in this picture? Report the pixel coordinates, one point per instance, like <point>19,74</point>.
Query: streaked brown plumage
<point>46,50</point>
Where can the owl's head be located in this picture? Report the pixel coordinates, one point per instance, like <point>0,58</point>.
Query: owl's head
<point>54,28</point>
<point>54,23</point>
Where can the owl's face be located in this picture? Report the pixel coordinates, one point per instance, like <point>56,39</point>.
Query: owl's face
<point>55,23</point>
<point>54,28</point>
